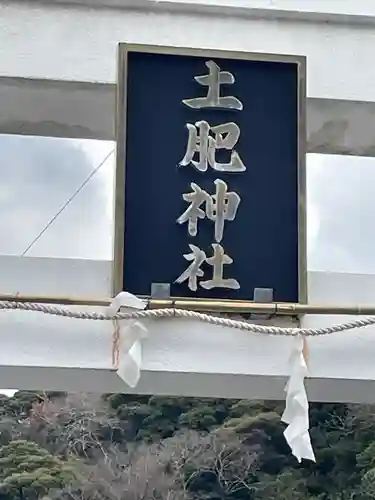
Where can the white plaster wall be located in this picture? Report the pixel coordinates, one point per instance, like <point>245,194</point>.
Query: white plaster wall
<point>74,43</point>
<point>341,7</point>
<point>339,10</point>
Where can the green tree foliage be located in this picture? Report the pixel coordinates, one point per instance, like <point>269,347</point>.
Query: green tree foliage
<point>28,471</point>
<point>129,447</point>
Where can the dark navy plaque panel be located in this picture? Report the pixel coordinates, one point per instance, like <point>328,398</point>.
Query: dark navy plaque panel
<point>263,238</point>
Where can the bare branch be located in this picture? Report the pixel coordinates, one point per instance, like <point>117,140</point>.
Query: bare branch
<point>73,425</point>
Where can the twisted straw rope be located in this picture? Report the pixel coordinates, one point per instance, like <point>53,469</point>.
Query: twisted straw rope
<point>181,313</point>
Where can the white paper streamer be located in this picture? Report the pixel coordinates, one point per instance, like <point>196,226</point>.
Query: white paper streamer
<point>130,332</point>
<point>296,413</point>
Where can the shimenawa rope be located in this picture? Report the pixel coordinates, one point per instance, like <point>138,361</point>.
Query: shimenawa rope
<point>181,313</point>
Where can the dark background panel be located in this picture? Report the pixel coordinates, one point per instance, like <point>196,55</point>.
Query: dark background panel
<point>263,239</point>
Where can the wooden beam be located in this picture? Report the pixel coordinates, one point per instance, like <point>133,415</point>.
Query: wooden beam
<point>86,110</point>
<point>47,352</point>
<point>57,108</point>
